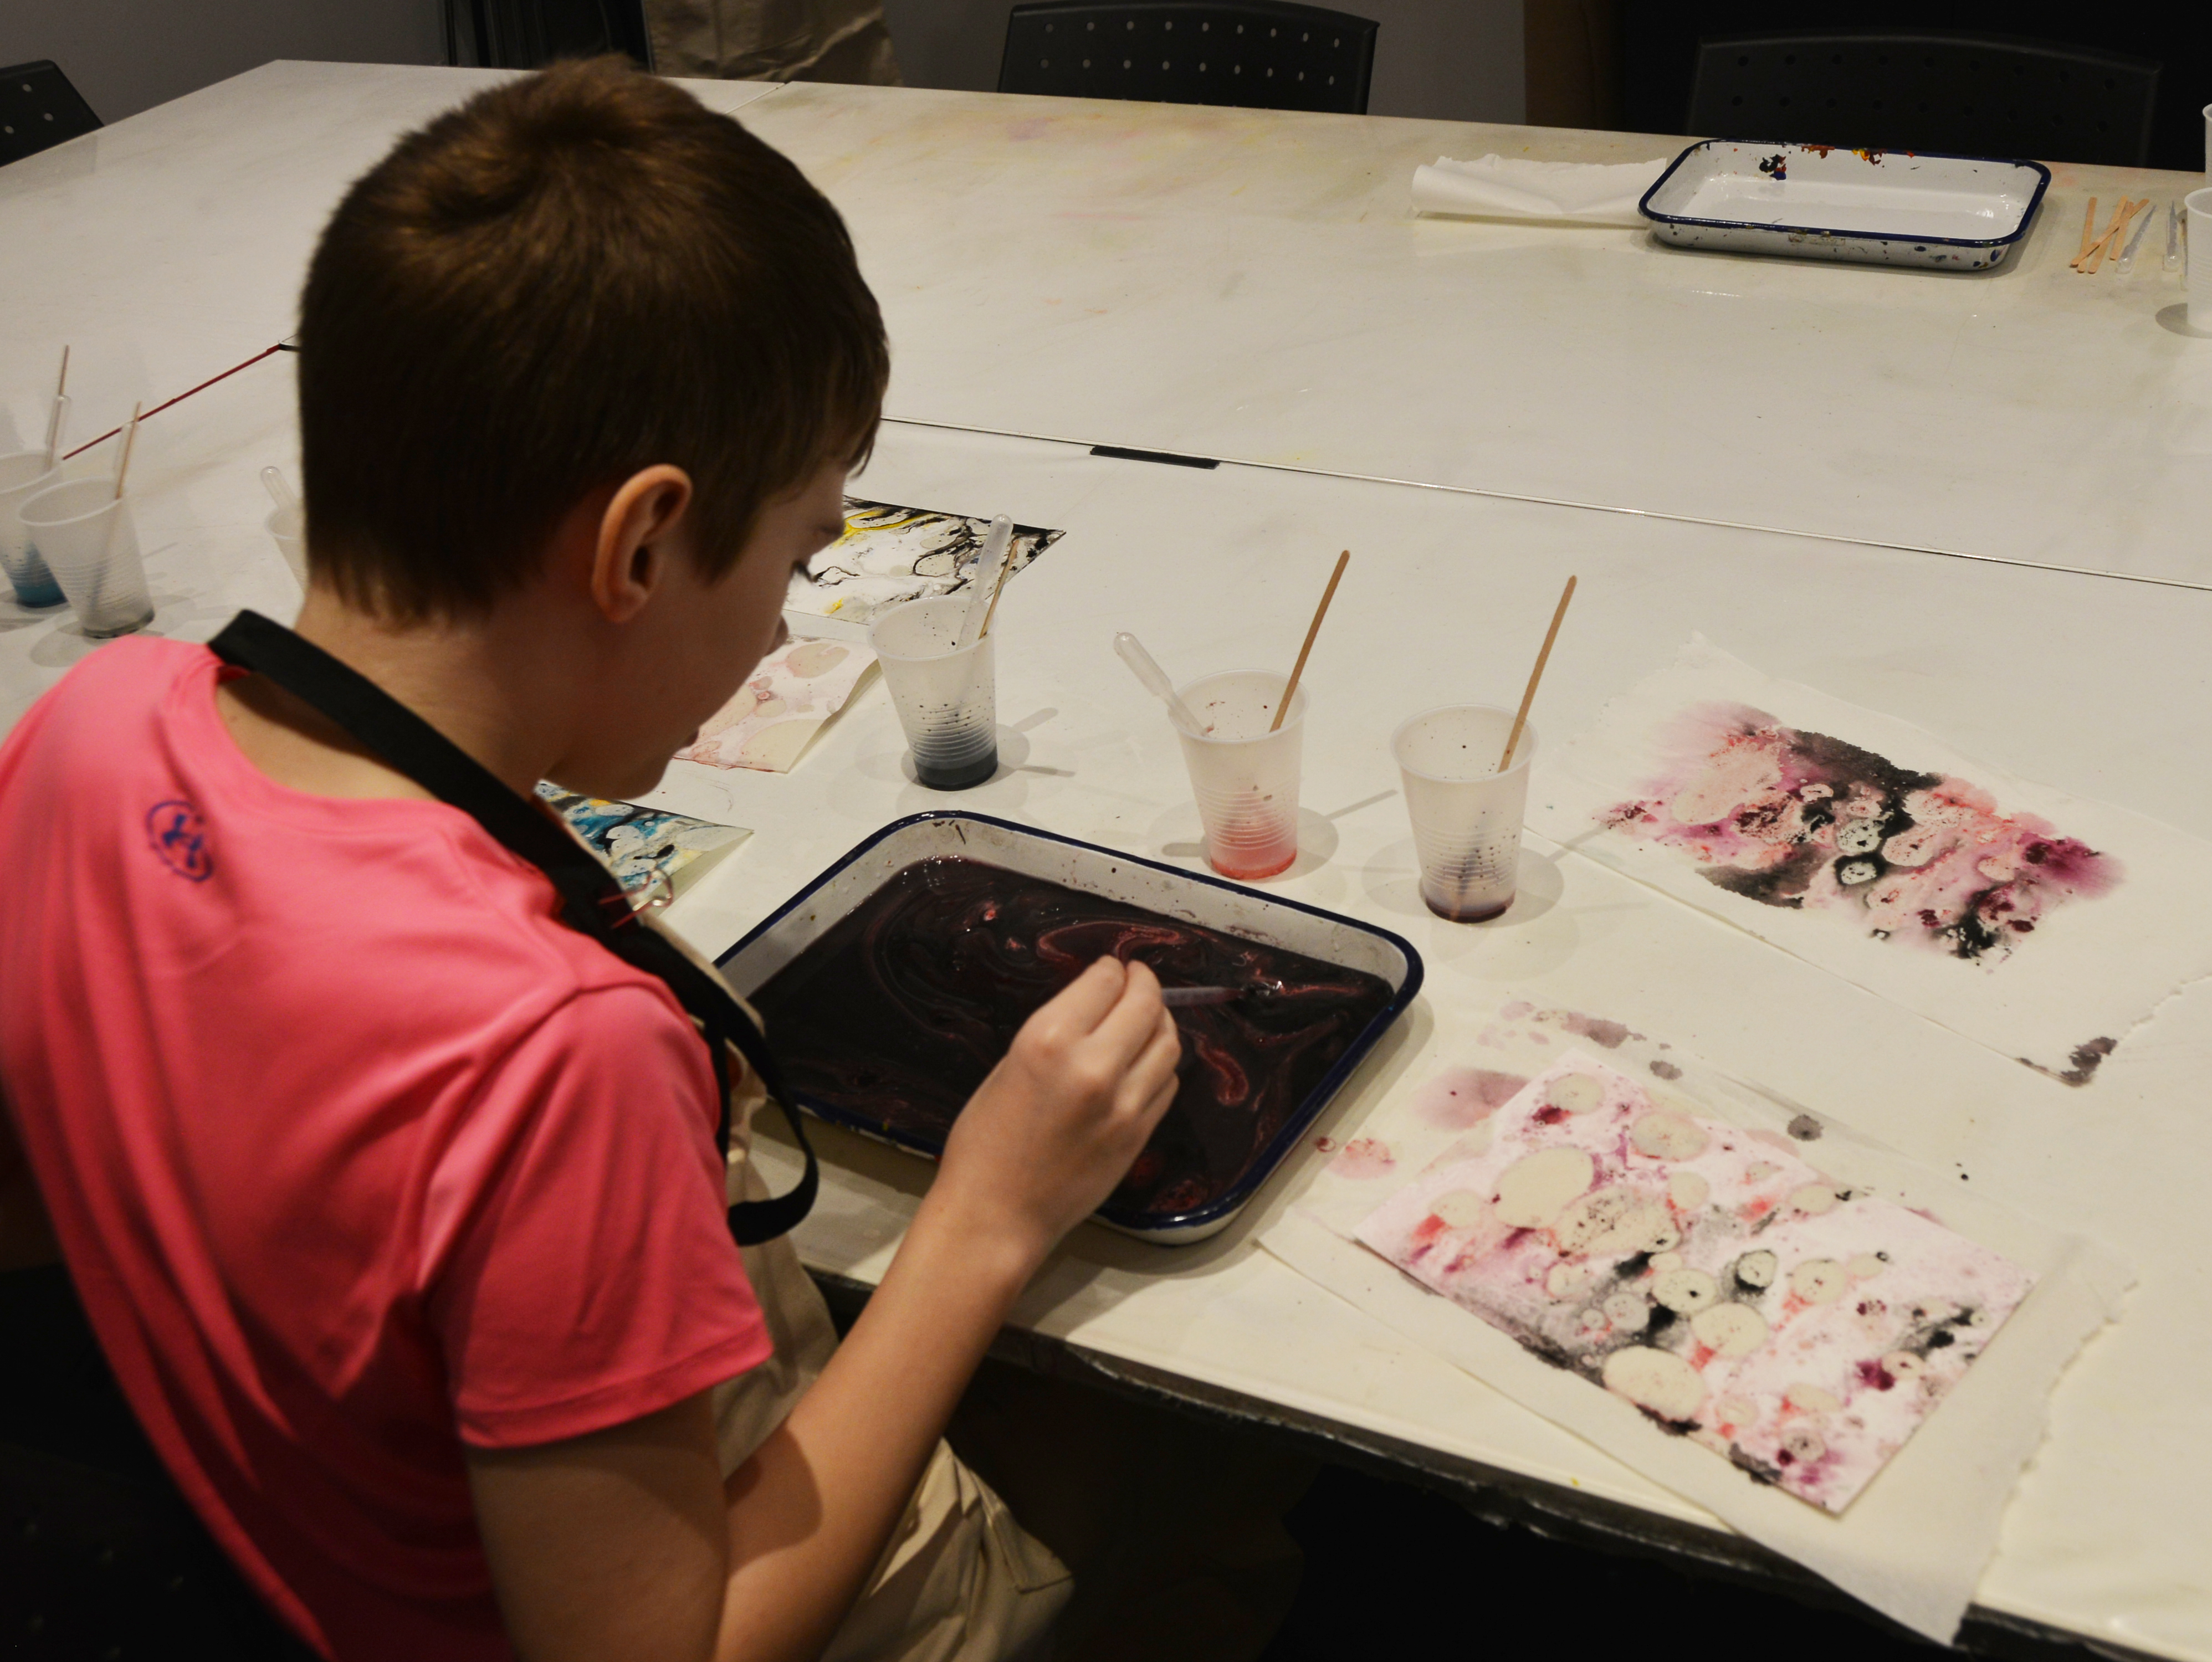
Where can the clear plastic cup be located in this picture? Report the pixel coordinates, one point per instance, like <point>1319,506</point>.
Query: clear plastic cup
<point>1245,778</point>
<point>1466,817</point>
<point>91,545</point>
<point>22,475</point>
<point>2197,210</point>
<point>287,528</point>
<point>946,700</point>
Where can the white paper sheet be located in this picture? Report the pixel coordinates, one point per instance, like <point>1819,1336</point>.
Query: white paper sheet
<point>1913,1544</point>
<point>2062,981</point>
<point>1516,187</point>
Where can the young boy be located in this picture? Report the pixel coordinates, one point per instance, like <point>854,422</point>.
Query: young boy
<point>392,1199</point>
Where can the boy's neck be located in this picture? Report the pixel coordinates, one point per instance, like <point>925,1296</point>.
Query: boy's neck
<point>491,687</point>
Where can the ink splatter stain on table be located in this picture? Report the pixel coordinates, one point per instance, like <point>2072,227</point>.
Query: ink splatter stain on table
<point>897,1013</point>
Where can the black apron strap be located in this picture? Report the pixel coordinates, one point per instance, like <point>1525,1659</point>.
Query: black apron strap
<point>592,901</point>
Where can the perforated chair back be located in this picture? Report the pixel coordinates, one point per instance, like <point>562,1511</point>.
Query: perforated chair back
<point>1259,54</point>
<point>39,109</point>
<point>1943,93</point>
<point>528,34</point>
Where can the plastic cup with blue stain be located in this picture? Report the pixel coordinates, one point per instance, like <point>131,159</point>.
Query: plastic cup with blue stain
<point>946,694</point>
<point>85,533</point>
<point>22,475</point>
<point>1466,815</point>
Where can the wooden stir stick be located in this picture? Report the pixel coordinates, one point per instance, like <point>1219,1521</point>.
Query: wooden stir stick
<point>1529,697</point>
<point>1291,687</point>
<point>129,438</point>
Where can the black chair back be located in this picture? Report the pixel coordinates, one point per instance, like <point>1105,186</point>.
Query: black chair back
<point>39,109</point>
<point>1941,93</point>
<point>100,1555</point>
<point>1259,54</point>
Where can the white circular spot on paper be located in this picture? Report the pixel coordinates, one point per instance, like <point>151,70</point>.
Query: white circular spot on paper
<point>1814,1199</point>
<point>1812,1399</point>
<point>1802,1442</point>
<point>1666,1136</point>
<point>1865,1267</point>
<point>1757,1269</point>
<point>1656,1381</point>
<point>1852,872</point>
<point>1688,1191</point>
<point>1628,1311</point>
<point>1575,1093</point>
<point>1818,1281</point>
<point>1729,1330</point>
<point>1685,1292</point>
<point>1902,1365</point>
<point>1858,837</point>
<point>1460,1209</point>
<point>1616,1220</point>
<point>1566,1281</point>
<point>1535,1188</point>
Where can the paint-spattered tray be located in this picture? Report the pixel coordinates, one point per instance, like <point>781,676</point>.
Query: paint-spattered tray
<point>1225,907</point>
<point>1817,202</point>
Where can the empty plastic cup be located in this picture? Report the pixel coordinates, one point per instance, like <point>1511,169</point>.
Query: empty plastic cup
<point>85,532</point>
<point>946,699</point>
<point>22,475</point>
<point>1466,817</point>
<point>287,528</point>
<point>1245,778</point>
<point>2199,268</point>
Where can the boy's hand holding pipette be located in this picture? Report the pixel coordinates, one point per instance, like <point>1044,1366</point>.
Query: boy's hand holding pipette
<point>1064,1115</point>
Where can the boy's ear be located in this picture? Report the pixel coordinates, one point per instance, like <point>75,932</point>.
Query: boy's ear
<point>636,540</point>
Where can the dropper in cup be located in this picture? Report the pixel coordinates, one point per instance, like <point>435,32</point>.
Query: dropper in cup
<point>1133,653</point>
<point>279,488</point>
<point>59,415</point>
<point>984,588</point>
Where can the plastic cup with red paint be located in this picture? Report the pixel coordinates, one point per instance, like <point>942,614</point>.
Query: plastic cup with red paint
<point>1466,815</point>
<point>1245,777</point>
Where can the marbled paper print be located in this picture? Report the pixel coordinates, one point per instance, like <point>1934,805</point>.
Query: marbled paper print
<point>1802,819</point>
<point>774,717</point>
<point>890,554</point>
<point>1798,1329</point>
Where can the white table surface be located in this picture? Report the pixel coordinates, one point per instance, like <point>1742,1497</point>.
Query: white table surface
<point>181,242</point>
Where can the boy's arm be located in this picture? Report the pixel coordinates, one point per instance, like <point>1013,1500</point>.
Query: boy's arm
<point>627,1543</point>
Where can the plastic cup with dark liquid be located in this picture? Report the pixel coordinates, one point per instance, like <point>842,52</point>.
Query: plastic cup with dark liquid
<point>1467,816</point>
<point>946,697</point>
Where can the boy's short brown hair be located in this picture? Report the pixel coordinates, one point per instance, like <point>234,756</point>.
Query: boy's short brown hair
<point>570,277</point>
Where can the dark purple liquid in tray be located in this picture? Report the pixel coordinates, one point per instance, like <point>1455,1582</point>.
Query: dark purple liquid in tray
<point>897,1012</point>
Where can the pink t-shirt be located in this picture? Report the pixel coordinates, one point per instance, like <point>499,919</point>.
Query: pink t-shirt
<point>356,1154</point>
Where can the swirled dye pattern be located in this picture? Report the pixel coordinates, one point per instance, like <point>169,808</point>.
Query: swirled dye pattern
<point>1706,1273</point>
<point>896,1013</point>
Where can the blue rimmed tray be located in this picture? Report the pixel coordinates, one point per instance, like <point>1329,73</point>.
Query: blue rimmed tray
<point>1822,202</point>
<point>1229,907</point>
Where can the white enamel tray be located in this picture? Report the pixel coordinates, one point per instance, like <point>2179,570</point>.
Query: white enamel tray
<point>1816,202</point>
<point>1204,899</point>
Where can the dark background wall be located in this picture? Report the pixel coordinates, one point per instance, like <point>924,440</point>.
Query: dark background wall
<point>1657,44</point>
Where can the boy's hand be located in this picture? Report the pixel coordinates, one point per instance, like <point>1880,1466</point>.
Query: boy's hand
<point>1065,1114</point>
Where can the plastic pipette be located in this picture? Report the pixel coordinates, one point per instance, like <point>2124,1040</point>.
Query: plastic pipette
<point>990,568</point>
<point>59,417</point>
<point>2128,254</point>
<point>1155,681</point>
<point>2174,236</point>
<point>279,488</point>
